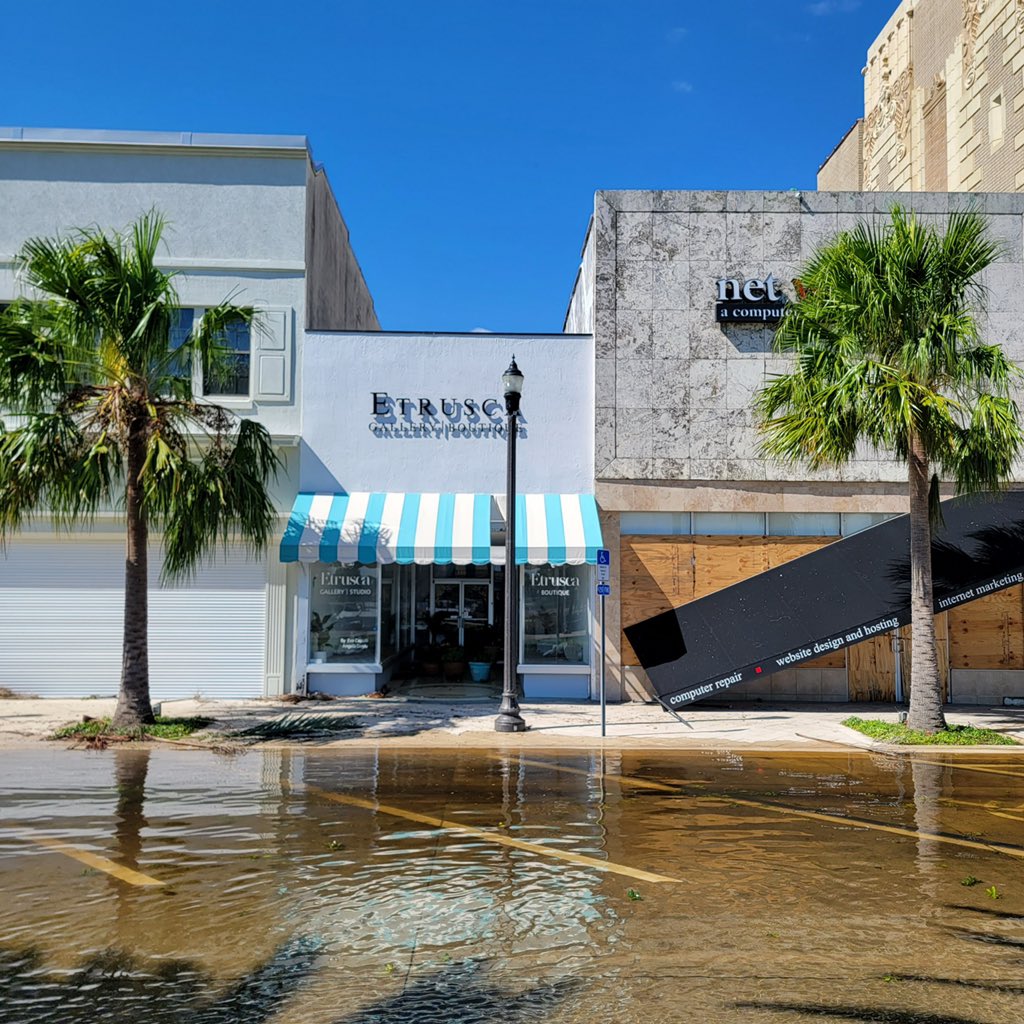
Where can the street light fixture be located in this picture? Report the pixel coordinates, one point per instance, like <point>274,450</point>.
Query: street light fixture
<point>509,719</point>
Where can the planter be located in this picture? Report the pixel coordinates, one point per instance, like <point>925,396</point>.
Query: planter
<point>454,669</point>
<point>319,657</point>
<point>430,668</point>
<point>480,671</point>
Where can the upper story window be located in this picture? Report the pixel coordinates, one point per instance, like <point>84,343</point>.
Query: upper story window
<point>237,340</point>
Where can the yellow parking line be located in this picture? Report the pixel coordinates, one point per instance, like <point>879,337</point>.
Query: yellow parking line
<point>971,768</point>
<point>94,860</point>
<point>986,806</point>
<point>835,819</point>
<point>492,837</point>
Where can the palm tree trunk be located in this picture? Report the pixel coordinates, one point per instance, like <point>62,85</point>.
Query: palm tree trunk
<point>925,685</point>
<point>133,706</point>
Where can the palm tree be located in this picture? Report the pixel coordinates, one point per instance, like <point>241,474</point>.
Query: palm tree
<point>887,353</point>
<point>104,417</point>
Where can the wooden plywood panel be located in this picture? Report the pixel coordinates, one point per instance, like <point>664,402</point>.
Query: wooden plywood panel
<point>871,669</point>
<point>721,561</point>
<point>780,550</point>
<point>658,573</point>
<point>655,575</point>
<point>941,649</point>
<point>989,632</point>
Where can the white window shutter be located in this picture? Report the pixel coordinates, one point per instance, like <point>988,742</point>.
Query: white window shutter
<point>272,350</point>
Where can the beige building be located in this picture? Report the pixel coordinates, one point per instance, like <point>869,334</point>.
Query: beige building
<point>943,103</point>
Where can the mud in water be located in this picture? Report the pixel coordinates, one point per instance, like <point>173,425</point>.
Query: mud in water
<point>409,887</point>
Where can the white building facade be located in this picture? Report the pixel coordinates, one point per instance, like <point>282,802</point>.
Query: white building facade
<point>252,218</point>
<point>396,548</point>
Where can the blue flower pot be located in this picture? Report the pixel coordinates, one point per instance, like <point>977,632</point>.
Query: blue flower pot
<point>479,671</point>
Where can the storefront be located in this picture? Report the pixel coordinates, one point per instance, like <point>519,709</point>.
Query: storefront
<point>409,576</point>
<point>683,291</point>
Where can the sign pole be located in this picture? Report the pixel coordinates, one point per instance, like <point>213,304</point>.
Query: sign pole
<point>604,575</point>
<point>603,702</point>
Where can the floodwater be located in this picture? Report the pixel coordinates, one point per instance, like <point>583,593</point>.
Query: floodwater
<point>411,887</point>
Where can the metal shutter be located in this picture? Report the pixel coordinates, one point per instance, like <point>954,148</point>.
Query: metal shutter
<point>61,608</point>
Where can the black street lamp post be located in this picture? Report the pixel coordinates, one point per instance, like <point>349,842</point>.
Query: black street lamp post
<point>509,719</point>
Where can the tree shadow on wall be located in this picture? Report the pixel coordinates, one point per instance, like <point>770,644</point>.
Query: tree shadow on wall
<point>115,987</point>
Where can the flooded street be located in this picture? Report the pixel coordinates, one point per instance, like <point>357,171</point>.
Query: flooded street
<point>465,886</point>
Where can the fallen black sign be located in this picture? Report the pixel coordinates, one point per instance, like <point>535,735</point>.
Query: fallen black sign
<point>829,599</point>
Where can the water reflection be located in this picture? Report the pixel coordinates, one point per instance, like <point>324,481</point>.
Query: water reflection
<point>280,904</point>
<point>928,787</point>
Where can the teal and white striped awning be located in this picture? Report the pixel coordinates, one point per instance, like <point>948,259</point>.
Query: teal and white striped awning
<point>442,529</point>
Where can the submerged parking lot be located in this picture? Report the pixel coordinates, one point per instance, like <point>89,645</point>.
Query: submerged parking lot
<point>417,885</point>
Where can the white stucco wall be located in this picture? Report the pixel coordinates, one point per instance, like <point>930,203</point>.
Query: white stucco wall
<point>236,217</point>
<point>342,371</point>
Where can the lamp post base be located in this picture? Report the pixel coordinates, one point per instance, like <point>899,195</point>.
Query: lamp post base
<point>509,719</point>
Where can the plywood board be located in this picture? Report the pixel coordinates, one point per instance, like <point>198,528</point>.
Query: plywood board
<point>989,632</point>
<point>872,670</point>
<point>655,575</point>
<point>780,550</point>
<point>661,572</point>
<point>721,561</point>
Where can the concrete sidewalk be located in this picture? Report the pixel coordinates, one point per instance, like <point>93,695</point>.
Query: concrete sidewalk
<point>438,723</point>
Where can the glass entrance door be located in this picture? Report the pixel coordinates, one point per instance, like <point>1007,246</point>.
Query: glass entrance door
<point>462,609</point>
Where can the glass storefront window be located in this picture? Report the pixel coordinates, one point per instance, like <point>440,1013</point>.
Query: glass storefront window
<point>343,613</point>
<point>556,618</point>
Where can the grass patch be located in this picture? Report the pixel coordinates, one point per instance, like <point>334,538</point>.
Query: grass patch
<point>162,728</point>
<point>953,735</point>
<point>300,725</point>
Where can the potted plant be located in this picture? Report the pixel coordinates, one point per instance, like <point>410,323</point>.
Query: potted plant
<point>454,659</point>
<point>479,666</point>
<point>320,633</point>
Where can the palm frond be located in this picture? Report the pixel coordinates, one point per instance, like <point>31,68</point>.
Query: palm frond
<point>886,346</point>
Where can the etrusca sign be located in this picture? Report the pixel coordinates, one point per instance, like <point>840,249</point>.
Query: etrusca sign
<point>751,301</point>
<point>439,418</point>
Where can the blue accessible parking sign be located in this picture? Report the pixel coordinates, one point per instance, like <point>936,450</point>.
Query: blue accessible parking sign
<point>604,589</point>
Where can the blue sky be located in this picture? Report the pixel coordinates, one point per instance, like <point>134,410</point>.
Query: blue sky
<point>465,138</point>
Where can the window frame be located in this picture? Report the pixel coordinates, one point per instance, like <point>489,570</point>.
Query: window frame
<point>236,401</point>
<point>590,662</point>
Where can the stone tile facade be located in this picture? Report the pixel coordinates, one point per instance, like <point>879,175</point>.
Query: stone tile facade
<point>675,389</point>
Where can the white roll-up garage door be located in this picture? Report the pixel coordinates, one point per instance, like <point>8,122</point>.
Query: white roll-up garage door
<point>61,612</point>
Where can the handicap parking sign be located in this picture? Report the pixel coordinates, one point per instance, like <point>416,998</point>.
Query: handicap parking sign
<point>604,589</point>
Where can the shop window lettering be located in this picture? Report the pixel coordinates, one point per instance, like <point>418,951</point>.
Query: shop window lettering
<point>552,586</point>
<point>333,583</point>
